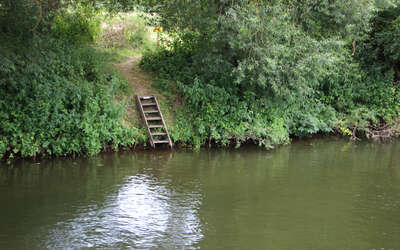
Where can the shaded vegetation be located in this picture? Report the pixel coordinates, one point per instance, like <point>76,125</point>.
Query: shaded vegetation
<point>57,100</point>
<point>263,71</point>
<point>57,92</point>
<point>270,70</point>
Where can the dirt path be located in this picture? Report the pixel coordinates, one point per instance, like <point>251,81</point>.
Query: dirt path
<point>139,81</point>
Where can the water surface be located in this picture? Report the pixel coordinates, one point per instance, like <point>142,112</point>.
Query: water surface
<point>316,194</point>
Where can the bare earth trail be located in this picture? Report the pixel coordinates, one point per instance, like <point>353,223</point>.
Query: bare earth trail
<point>140,84</point>
<point>139,81</point>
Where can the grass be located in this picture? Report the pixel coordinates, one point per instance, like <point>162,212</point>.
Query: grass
<point>126,35</point>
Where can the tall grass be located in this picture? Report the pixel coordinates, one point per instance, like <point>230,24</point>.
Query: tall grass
<point>126,34</point>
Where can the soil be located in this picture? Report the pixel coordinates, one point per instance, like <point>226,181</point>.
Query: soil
<point>140,84</point>
<point>139,81</point>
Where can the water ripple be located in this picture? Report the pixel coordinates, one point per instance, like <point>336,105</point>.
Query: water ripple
<point>142,214</point>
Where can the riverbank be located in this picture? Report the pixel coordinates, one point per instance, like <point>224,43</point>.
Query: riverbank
<point>72,91</point>
<point>129,79</point>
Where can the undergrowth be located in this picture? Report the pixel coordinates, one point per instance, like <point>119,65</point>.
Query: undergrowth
<point>234,71</point>
<point>126,35</point>
<point>272,82</point>
<point>57,99</point>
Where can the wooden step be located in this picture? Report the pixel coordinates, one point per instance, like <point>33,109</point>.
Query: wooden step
<point>156,126</point>
<point>146,97</point>
<point>159,142</point>
<point>150,111</point>
<point>158,134</point>
<point>153,118</point>
<point>149,104</point>
<point>143,101</point>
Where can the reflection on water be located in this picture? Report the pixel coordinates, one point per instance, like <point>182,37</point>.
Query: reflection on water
<point>144,213</point>
<point>317,194</point>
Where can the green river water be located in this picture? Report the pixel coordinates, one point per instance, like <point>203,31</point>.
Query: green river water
<point>312,194</point>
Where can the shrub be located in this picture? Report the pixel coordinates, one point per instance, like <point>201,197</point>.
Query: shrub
<point>254,73</point>
<point>57,99</point>
<point>76,27</point>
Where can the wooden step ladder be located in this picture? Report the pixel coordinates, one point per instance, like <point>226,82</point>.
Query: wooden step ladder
<point>154,120</point>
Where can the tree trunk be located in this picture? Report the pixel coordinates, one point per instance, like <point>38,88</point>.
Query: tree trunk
<point>396,68</point>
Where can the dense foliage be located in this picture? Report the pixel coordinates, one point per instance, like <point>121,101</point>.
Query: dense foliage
<point>245,69</point>
<point>57,100</point>
<point>57,93</point>
<point>267,70</point>
<point>381,49</point>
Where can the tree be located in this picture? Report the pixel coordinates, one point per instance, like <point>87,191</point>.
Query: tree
<point>381,47</point>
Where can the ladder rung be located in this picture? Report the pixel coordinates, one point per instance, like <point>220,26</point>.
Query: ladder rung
<point>148,104</point>
<point>150,111</point>
<point>153,118</point>
<point>146,97</point>
<point>154,134</point>
<point>156,126</point>
<point>157,141</point>
<point>158,132</point>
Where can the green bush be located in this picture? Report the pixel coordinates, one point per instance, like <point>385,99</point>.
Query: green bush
<point>57,99</point>
<point>254,73</point>
<point>379,50</point>
<point>76,27</point>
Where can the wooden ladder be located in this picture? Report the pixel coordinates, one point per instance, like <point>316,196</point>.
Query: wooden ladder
<point>154,120</point>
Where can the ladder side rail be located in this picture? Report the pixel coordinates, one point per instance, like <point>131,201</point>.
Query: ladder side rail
<point>145,120</point>
<point>163,122</point>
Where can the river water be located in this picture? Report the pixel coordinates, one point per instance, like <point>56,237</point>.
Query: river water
<point>312,194</point>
